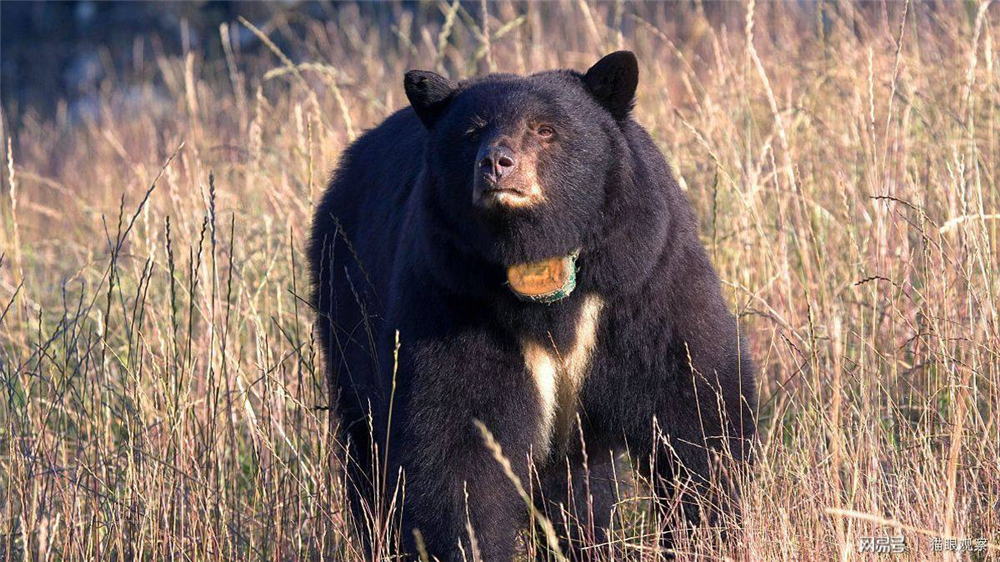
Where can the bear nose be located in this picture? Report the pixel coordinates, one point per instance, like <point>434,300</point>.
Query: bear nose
<point>496,161</point>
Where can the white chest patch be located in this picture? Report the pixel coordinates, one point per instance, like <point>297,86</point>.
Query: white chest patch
<point>559,375</point>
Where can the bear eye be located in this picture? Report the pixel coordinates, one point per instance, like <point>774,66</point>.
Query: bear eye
<point>545,131</point>
<point>475,129</point>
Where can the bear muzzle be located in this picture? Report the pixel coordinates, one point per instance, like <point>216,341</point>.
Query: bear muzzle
<point>503,180</point>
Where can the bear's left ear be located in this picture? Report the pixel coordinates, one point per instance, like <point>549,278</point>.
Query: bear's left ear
<point>613,80</point>
<point>428,93</point>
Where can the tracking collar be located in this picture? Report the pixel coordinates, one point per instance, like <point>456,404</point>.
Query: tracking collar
<point>544,281</point>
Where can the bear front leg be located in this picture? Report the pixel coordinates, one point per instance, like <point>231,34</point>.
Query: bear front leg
<point>688,424</point>
<point>578,499</point>
<point>456,493</point>
<point>699,444</point>
<point>461,504</point>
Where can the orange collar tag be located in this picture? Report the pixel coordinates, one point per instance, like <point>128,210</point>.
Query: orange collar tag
<point>545,281</point>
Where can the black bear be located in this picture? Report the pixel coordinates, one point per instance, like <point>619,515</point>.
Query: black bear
<point>514,250</point>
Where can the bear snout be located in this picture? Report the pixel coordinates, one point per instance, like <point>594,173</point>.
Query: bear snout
<point>505,179</point>
<point>495,162</point>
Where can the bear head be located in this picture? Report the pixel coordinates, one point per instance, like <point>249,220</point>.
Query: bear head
<point>519,168</point>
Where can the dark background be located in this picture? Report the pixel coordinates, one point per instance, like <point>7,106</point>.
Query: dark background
<point>55,56</point>
<point>52,51</point>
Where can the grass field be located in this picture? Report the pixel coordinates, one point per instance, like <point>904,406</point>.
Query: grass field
<point>162,392</point>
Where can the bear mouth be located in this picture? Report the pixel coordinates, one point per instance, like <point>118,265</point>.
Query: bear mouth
<point>496,197</point>
<point>500,191</point>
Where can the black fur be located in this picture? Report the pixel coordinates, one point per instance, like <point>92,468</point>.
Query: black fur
<point>398,245</point>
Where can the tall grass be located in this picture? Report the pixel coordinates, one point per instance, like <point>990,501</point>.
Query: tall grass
<point>162,390</point>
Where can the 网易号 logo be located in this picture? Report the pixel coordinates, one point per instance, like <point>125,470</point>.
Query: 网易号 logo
<point>882,545</point>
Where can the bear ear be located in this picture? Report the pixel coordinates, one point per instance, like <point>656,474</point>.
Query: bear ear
<point>613,80</point>
<point>428,93</point>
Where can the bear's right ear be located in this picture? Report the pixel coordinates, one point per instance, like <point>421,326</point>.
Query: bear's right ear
<point>428,93</point>
<point>613,80</point>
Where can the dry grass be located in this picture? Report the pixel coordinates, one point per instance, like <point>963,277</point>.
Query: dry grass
<point>160,379</point>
